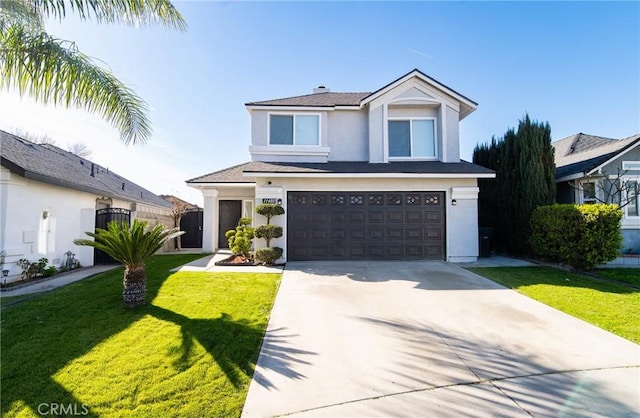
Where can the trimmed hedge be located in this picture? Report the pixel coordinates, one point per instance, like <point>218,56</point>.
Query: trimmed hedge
<point>268,255</point>
<point>582,236</point>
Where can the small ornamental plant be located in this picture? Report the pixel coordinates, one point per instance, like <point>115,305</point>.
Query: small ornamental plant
<point>241,238</point>
<point>268,254</point>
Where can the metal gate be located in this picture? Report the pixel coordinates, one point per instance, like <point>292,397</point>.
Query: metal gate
<point>191,224</point>
<point>103,218</point>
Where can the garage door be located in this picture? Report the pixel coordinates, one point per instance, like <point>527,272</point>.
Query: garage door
<point>365,226</point>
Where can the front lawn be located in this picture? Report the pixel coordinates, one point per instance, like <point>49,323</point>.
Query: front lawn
<point>190,352</point>
<point>628,275</point>
<point>606,305</point>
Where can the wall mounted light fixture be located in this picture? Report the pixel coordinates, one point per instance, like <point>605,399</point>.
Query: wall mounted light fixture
<point>45,214</point>
<point>454,202</point>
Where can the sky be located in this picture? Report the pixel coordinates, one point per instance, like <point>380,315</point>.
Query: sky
<point>575,65</point>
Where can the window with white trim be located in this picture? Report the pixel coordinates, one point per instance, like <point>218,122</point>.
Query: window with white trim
<point>412,138</point>
<point>588,192</point>
<point>631,165</point>
<point>632,207</point>
<point>296,129</point>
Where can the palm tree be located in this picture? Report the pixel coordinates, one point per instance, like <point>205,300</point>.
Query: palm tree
<point>52,70</point>
<point>132,246</point>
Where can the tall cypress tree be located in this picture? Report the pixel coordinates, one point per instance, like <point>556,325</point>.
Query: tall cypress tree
<point>525,179</point>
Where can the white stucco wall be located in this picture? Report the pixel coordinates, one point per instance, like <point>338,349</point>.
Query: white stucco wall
<point>25,233</point>
<point>348,135</point>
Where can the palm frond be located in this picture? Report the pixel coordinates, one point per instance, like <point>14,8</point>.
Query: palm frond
<point>53,71</point>
<point>131,12</point>
<point>19,11</point>
<point>130,245</point>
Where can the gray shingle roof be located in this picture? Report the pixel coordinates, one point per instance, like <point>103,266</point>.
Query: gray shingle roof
<point>50,164</point>
<point>326,99</point>
<point>331,99</point>
<point>581,153</point>
<point>236,174</point>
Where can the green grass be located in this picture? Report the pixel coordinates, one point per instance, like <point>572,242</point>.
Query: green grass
<point>606,305</point>
<point>190,352</point>
<point>628,275</point>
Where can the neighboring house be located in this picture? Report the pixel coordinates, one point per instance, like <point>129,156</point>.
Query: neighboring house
<point>360,175</point>
<point>592,169</point>
<point>49,197</point>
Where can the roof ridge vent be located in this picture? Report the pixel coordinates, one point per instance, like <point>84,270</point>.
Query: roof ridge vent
<point>321,89</point>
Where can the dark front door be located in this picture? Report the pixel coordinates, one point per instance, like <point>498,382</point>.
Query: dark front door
<point>230,214</point>
<point>365,226</point>
<point>103,217</point>
<point>191,224</point>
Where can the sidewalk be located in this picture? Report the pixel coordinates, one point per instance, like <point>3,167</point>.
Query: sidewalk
<point>56,282</point>
<point>208,264</point>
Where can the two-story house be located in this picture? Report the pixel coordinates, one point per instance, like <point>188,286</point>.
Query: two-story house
<point>360,175</point>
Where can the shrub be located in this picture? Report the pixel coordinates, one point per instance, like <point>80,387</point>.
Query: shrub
<point>582,236</point>
<point>50,271</point>
<point>269,210</point>
<point>554,231</point>
<point>268,232</point>
<point>268,255</point>
<point>241,238</point>
<point>29,269</point>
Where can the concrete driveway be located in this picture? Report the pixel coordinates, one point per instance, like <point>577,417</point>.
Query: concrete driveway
<point>366,339</point>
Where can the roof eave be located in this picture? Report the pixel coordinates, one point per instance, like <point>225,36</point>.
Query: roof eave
<point>369,175</point>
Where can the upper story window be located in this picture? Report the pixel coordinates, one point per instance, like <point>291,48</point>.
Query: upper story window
<point>294,129</point>
<point>412,138</point>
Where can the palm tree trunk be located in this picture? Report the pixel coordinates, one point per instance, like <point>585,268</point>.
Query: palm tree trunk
<point>135,287</point>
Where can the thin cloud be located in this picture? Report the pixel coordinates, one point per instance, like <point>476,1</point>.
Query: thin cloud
<point>422,54</point>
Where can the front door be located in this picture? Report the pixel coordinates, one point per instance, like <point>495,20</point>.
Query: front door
<point>230,213</point>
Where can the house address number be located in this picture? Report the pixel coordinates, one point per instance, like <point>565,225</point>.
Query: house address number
<point>272,200</point>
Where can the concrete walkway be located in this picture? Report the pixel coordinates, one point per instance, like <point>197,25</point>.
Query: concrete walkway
<point>46,285</point>
<point>420,339</point>
<point>208,264</point>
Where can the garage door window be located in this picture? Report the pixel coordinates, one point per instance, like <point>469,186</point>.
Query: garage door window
<point>412,138</point>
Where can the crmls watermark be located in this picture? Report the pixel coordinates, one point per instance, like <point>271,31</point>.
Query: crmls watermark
<point>63,409</point>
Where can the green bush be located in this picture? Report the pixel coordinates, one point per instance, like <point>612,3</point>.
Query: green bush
<point>241,238</point>
<point>582,236</point>
<point>50,271</point>
<point>268,255</point>
<point>269,210</point>
<point>554,231</point>
<point>268,232</point>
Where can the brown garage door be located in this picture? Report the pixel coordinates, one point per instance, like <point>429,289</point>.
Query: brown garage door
<point>365,226</point>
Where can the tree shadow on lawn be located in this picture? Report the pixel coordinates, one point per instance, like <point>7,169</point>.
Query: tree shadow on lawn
<point>515,277</point>
<point>44,335</point>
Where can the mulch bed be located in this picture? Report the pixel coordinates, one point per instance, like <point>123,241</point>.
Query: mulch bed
<point>236,260</point>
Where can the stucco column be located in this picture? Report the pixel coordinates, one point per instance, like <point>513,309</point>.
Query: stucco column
<point>210,220</point>
<point>462,224</point>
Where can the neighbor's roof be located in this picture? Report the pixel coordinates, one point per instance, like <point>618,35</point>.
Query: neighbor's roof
<point>50,164</point>
<point>582,153</point>
<point>331,99</point>
<point>243,173</point>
